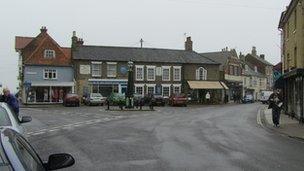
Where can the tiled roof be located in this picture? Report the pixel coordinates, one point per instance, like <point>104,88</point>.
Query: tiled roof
<point>112,53</point>
<point>21,42</point>
<point>220,57</point>
<point>260,59</point>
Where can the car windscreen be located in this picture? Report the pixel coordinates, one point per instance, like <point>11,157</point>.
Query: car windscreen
<point>4,118</point>
<point>96,95</point>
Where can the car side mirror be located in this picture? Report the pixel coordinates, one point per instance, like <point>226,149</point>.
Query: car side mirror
<point>59,161</point>
<point>26,119</point>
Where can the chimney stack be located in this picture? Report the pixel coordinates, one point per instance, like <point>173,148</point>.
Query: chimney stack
<point>254,51</point>
<point>43,29</point>
<point>189,44</point>
<point>79,42</point>
<point>262,56</point>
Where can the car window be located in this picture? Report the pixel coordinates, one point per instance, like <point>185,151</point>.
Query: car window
<point>27,155</point>
<point>96,95</point>
<point>4,118</point>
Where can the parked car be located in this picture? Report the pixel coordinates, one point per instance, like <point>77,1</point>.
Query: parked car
<point>71,99</point>
<point>95,99</point>
<point>17,154</point>
<point>265,96</point>
<point>8,119</point>
<point>178,100</point>
<point>158,100</point>
<point>248,98</point>
<point>138,100</point>
<point>117,99</point>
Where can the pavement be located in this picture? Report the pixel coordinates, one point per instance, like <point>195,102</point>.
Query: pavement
<point>223,137</point>
<point>288,126</point>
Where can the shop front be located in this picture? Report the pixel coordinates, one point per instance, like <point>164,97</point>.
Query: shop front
<point>107,86</point>
<point>199,89</point>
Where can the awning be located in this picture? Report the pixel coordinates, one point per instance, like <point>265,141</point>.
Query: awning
<point>224,85</point>
<point>51,84</point>
<point>206,85</point>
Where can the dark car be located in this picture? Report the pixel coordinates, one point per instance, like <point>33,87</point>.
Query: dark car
<point>158,100</point>
<point>17,154</point>
<point>71,99</point>
<point>178,100</point>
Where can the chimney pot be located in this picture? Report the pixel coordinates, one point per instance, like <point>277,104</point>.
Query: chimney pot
<point>43,29</point>
<point>189,44</point>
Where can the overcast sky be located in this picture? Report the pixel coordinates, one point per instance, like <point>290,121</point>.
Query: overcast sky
<point>212,24</point>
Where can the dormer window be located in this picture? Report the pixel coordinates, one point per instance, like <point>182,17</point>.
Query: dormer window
<point>49,53</point>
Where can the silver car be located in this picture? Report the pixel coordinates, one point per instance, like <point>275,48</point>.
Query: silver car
<point>95,99</point>
<point>8,119</point>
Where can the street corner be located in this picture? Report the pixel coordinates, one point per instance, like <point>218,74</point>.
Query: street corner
<point>288,127</point>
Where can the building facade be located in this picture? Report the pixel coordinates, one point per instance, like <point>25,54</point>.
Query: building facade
<point>45,69</point>
<point>230,70</point>
<point>103,69</point>
<point>291,26</point>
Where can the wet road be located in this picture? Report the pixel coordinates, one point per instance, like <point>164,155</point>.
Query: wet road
<point>193,138</point>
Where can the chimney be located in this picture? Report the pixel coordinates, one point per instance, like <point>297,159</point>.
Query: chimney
<point>188,44</point>
<point>43,29</point>
<point>262,56</point>
<point>79,42</point>
<point>254,51</point>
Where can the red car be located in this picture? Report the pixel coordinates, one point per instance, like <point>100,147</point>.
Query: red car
<point>178,100</point>
<point>71,99</point>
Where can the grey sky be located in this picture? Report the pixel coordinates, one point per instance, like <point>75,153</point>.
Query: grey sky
<point>213,25</point>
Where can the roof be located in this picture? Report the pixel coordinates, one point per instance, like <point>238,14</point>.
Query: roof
<point>112,53</point>
<point>21,42</point>
<point>278,67</point>
<point>260,59</point>
<point>251,72</point>
<point>220,57</point>
<point>286,14</point>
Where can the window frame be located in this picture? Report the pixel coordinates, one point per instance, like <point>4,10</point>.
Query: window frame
<point>179,68</point>
<point>108,69</point>
<point>154,72</point>
<point>142,72</point>
<point>95,70</point>
<point>204,76</point>
<point>48,72</point>
<point>139,86</point>
<point>177,86</point>
<point>151,86</point>
<point>47,52</point>
<point>166,86</point>
<point>169,76</point>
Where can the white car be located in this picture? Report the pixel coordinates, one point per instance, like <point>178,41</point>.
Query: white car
<point>95,99</point>
<point>8,119</point>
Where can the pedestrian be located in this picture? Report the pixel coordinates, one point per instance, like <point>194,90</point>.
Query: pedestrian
<point>208,97</point>
<point>275,103</point>
<point>11,100</point>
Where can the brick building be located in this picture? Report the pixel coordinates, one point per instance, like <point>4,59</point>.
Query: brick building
<point>103,69</point>
<point>45,69</point>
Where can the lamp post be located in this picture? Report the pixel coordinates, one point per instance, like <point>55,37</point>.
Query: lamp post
<point>130,87</point>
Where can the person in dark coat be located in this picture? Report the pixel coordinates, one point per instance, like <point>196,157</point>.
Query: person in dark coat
<point>275,103</point>
<point>11,100</point>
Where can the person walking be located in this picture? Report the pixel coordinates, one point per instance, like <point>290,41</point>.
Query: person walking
<point>208,97</point>
<point>275,103</point>
<point>11,100</point>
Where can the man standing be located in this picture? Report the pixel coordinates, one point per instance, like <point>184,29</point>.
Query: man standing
<point>208,97</point>
<point>275,103</point>
<point>11,100</point>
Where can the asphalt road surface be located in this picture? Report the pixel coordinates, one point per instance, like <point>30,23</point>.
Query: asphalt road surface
<point>171,138</point>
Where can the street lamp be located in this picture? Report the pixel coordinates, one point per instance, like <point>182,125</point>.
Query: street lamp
<point>129,94</point>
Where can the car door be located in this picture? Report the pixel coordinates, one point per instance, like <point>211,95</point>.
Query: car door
<point>26,154</point>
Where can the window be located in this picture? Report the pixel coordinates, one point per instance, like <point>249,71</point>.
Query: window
<point>295,57</point>
<point>49,53</point>
<point>230,70</point>
<point>295,19</point>
<point>245,81</point>
<point>201,74</point>
<point>166,90</point>
<point>139,72</point>
<point>96,69</point>
<point>176,89</point>
<point>50,74</point>
<point>150,88</point>
<point>166,73</point>
<point>4,118</point>
<point>236,70</point>
<point>287,28</point>
<point>139,89</point>
<point>251,82</point>
<point>255,69</point>
<point>260,82</point>
<point>111,69</point>
<point>177,72</point>
<point>151,73</point>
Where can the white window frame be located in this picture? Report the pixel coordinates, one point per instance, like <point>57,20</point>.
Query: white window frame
<point>163,68</point>
<point>205,74</point>
<point>140,85</point>
<point>166,85</point>
<point>179,72</point>
<point>151,67</point>
<point>48,71</point>
<point>179,86</point>
<point>149,86</point>
<point>48,52</point>
<point>92,69</point>
<point>109,64</point>
<point>143,73</point>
